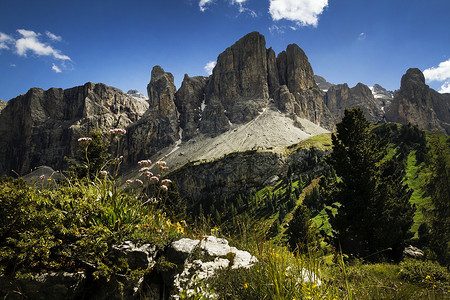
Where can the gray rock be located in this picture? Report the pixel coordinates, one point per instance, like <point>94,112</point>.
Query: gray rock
<point>42,127</point>
<point>138,95</point>
<point>417,103</point>
<point>200,259</point>
<point>190,102</point>
<point>339,97</point>
<point>2,104</point>
<point>138,257</point>
<point>158,127</point>
<point>412,251</point>
<point>322,83</point>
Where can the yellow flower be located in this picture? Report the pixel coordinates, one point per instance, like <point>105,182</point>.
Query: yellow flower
<point>428,277</point>
<point>245,285</point>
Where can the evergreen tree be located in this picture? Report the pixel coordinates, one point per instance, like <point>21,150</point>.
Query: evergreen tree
<point>299,232</point>
<point>375,215</point>
<point>437,187</point>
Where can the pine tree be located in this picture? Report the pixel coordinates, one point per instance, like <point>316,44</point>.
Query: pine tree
<point>375,215</point>
<point>437,187</point>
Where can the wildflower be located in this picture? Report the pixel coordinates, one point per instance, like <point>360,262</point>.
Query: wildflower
<point>245,286</point>
<point>148,173</point>
<point>164,168</point>
<point>117,131</point>
<point>129,181</point>
<point>161,163</point>
<point>428,277</point>
<point>49,179</point>
<point>42,177</point>
<point>165,181</point>
<point>139,181</point>
<point>103,172</point>
<point>85,140</point>
<point>164,188</point>
<point>154,179</point>
<point>118,159</point>
<point>144,162</point>
<point>144,169</point>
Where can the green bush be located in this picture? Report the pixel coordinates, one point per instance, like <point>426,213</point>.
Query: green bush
<point>74,225</point>
<point>424,272</point>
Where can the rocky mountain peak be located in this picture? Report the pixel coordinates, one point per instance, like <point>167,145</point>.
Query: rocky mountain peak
<point>417,103</point>
<point>413,77</point>
<point>322,83</point>
<point>138,95</point>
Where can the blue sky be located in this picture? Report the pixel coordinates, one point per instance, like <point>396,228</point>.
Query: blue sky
<point>60,43</point>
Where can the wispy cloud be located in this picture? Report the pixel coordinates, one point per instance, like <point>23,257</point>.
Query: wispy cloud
<point>440,73</point>
<point>30,43</point>
<point>203,3</point>
<point>56,68</point>
<point>53,36</point>
<point>5,40</point>
<point>209,67</point>
<point>302,12</point>
<point>276,29</point>
<point>362,36</point>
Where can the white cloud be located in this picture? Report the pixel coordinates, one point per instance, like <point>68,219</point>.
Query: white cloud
<point>53,36</point>
<point>445,88</point>
<point>56,68</point>
<point>30,42</point>
<point>440,73</point>
<point>13,65</point>
<point>276,29</point>
<point>209,67</point>
<point>4,40</point>
<point>362,36</point>
<point>303,12</point>
<point>202,4</point>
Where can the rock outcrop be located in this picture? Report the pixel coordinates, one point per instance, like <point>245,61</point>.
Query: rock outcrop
<point>42,127</point>
<point>417,103</point>
<point>190,102</point>
<point>339,97</point>
<point>382,96</point>
<point>158,127</point>
<point>322,83</point>
<point>247,76</point>
<point>193,261</point>
<point>137,94</point>
<point>2,105</point>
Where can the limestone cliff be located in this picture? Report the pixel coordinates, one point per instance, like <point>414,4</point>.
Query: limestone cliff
<point>158,127</point>
<point>339,97</point>
<point>42,127</point>
<point>417,103</point>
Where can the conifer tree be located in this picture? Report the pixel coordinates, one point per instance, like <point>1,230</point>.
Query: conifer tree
<point>437,187</point>
<point>375,214</point>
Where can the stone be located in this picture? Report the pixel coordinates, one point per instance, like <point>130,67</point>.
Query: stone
<point>190,100</point>
<point>322,83</point>
<point>158,127</point>
<point>137,94</point>
<point>138,257</point>
<point>413,252</point>
<point>418,104</point>
<point>42,127</point>
<point>2,104</point>
<point>198,260</point>
<point>339,97</point>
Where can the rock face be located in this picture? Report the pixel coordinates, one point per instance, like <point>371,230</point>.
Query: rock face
<point>190,102</point>
<point>158,127</point>
<point>247,76</point>
<point>137,94</point>
<point>2,105</point>
<point>417,103</point>
<point>340,96</point>
<point>322,83</point>
<point>42,127</point>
